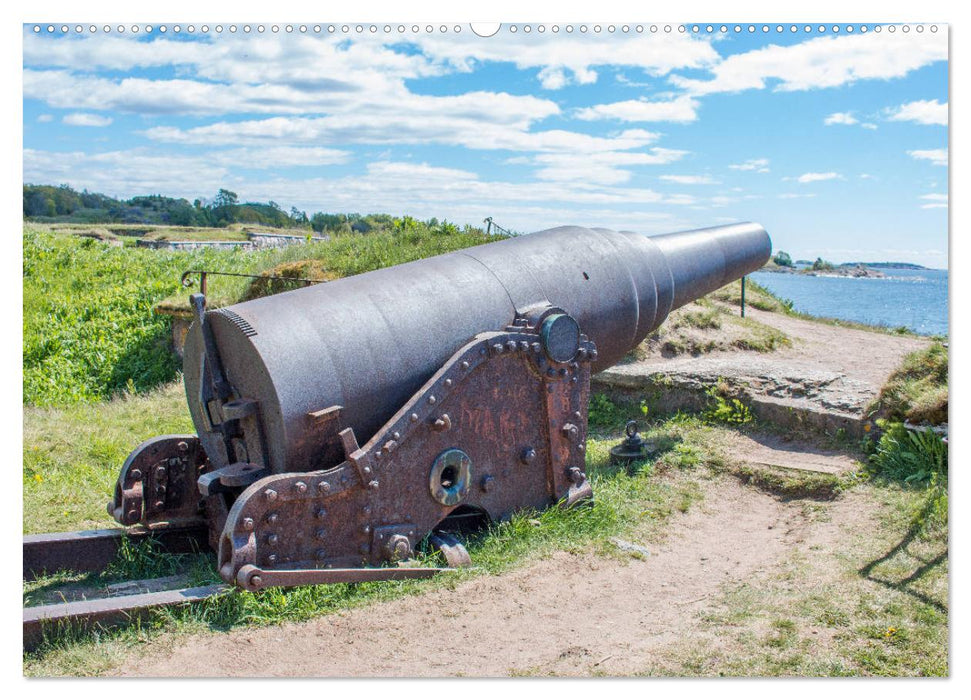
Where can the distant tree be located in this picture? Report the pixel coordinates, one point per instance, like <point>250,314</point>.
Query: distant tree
<point>821,264</point>
<point>782,259</point>
<point>226,198</point>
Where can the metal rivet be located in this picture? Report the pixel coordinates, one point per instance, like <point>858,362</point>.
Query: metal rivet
<point>523,345</point>
<point>448,382</point>
<point>182,446</point>
<point>272,539</point>
<point>396,435</point>
<point>537,347</point>
<point>324,486</point>
<point>133,515</point>
<point>301,487</point>
<point>413,417</point>
<point>497,348</point>
<point>272,518</point>
<point>373,485</point>
<point>159,504</point>
<point>366,509</point>
<point>465,365</point>
<point>512,345</point>
<point>321,534</point>
<point>320,554</point>
<point>528,455</point>
<point>379,454</point>
<point>366,529</point>
<point>320,513</point>
<point>366,470</point>
<point>564,371</point>
<point>581,447</point>
<point>432,399</point>
<point>272,558</point>
<point>135,474</point>
<point>248,523</point>
<point>270,494</point>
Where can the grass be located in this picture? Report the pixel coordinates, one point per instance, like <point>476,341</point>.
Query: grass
<point>709,325</point>
<point>918,390</point>
<point>90,326</point>
<point>72,454</point>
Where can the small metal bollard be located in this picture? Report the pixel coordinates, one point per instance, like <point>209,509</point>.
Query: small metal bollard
<point>633,448</point>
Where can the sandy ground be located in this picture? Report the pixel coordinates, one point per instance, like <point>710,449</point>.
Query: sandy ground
<point>569,615</point>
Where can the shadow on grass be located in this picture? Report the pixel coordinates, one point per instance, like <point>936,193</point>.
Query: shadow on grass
<point>905,584</point>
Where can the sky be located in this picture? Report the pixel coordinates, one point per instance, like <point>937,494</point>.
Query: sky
<point>835,141</point>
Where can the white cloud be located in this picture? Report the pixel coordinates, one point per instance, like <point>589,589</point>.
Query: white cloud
<point>920,111</point>
<point>818,177</point>
<point>278,157</point>
<point>937,156</point>
<point>824,62</point>
<point>935,201</point>
<point>869,125</point>
<point>45,118</point>
<point>605,168</point>
<point>682,109</point>
<point>794,195</point>
<point>81,119</point>
<point>759,165</point>
<point>690,179</point>
<point>840,118</point>
<point>564,59</point>
<point>866,176</point>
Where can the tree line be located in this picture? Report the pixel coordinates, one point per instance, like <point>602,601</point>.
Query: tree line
<point>63,204</point>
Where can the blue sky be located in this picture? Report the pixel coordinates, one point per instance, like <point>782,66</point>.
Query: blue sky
<point>835,141</point>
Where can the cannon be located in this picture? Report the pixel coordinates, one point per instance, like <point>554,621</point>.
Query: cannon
<point>340,425</point>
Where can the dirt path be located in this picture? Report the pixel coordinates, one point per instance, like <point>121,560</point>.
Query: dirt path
<point>567,615</point>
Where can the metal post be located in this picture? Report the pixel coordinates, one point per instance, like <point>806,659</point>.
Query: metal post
<point>743,296</point>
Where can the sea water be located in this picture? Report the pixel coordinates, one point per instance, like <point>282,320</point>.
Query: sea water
<point>916,299</point>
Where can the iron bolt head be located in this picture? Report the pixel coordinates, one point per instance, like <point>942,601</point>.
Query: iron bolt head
<point>320,513</point>
<point>413,417</point>
<point>512,345</point>
<point>183,446</point>
<point>272,539</point>
<point>488,482</point>
<point>528,455</point>
<point>396,435</point>
<point>448,382</point>
<point>270,494</point>
<point>398,547</point>
<point>301,487</point>
<point>536,347</point>
<point>272,518</point>
<point>324,486</point>
<point>497,348</point>
<point>432,399</point>
<point>135,474</point>
<point>248,524</point>
<point>321,534</point>
<point>255,581</point>
<point>373,485</point>
<point>465,365</point>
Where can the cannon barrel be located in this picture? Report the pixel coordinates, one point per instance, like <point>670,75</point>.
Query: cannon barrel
<point>366,343</point>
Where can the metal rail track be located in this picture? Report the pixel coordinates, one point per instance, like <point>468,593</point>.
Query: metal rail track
<point>93,550</point>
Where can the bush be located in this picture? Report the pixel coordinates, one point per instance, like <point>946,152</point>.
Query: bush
<point>910,455</point>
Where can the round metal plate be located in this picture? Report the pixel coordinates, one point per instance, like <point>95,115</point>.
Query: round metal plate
<point>450,477</point>
<point>561,337</point>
